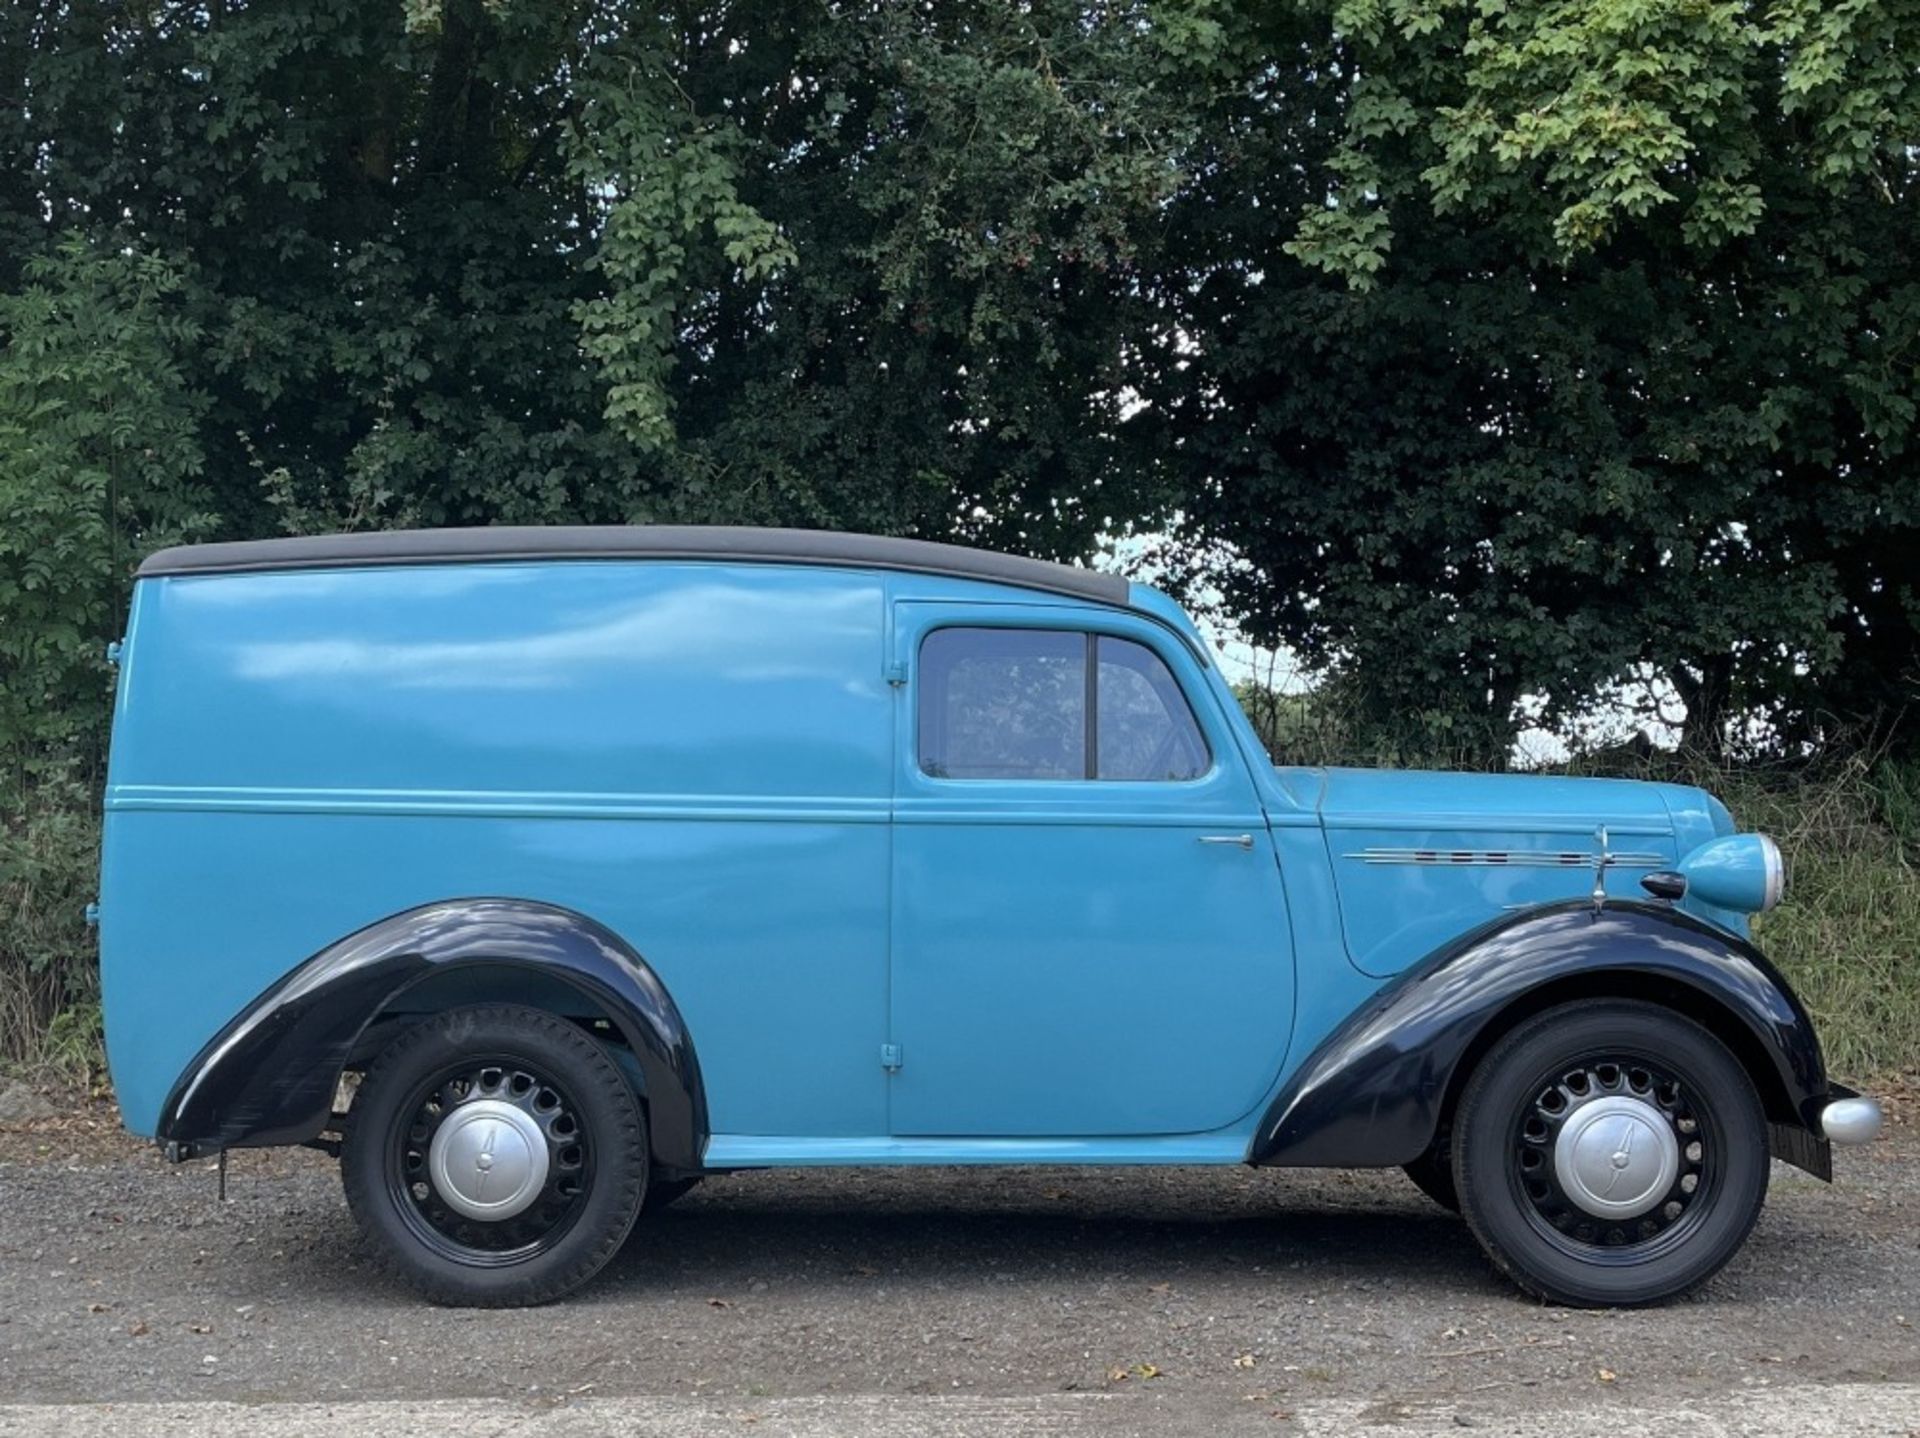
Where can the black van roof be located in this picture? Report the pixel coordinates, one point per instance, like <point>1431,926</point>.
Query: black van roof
<point>502,543</point>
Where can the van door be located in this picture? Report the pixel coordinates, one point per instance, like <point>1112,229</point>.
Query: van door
<point>1089,932</point>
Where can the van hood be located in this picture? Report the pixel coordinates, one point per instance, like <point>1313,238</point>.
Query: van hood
<point>1420,857</point>
<point>1550,803</point>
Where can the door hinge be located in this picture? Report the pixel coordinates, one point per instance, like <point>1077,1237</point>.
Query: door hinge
<point>115,648</point>
<point>92,915</point>
<point>890,1057</point>
<point>896,672</point>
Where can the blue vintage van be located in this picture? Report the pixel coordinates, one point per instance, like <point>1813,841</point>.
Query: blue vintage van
<point>538,873</point>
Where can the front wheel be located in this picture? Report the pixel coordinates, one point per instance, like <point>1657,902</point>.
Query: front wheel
<point>1610,1154</point>
<point>496,1156</point>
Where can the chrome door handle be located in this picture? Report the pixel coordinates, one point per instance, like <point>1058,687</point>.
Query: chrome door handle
<point>1239,841</point>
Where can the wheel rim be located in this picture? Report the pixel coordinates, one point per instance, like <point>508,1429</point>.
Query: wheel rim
<point>488,1159</point>
<point>1614,1159</point>
<point>490,1163</point>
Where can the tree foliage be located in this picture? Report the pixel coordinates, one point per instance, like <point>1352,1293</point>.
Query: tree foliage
<point>1619,378</point>
<point>1505,349</point>
<point>99,453</point>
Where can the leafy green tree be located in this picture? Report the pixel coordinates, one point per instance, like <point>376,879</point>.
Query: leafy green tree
<point>871,264</point>
<point>99,458</point>
<point>1534,346</point>
<point>1511,350</point>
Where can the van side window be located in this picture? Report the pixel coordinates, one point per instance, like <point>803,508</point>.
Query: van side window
<point>1052,704</point>
<point>1146,729</point>
<point>1003,704</point>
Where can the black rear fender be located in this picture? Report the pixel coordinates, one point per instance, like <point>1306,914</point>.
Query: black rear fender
<point>269,1077</point>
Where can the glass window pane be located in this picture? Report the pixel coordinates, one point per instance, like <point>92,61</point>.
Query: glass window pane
<point>1003,704</point>
<point>1146,729</point>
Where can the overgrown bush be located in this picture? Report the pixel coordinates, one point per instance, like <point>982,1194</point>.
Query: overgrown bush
<point>49,978</point>
<point>1848,934</point>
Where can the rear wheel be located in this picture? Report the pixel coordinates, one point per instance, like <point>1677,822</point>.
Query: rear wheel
<point>496,1156</point>
<point>1610,1153</point>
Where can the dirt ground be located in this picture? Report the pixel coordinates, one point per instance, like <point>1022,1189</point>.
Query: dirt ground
<point>1207,1291</point>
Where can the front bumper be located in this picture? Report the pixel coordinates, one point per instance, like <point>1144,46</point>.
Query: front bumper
<point>1840,1117</point>
<point>1850,1118</point>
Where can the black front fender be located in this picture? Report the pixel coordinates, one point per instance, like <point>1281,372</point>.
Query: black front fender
<point>1374,1093</point>
<point>269,1076</point>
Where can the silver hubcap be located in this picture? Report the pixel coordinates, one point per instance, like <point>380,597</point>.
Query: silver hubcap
<point>488,1160</point>
<point>1616,1157</point>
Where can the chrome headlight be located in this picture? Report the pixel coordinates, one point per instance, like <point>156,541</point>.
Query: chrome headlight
<point>1742,872</point>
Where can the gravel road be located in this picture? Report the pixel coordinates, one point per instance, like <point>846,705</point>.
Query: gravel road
<point>1133,1300</point>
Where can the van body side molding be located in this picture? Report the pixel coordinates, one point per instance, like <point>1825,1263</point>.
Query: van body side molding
<point>269,1076</point>
<point>1373,1094</point>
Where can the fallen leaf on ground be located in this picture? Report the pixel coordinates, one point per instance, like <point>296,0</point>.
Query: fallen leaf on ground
<point>1245,1360</point>
<point>1607,1375</point>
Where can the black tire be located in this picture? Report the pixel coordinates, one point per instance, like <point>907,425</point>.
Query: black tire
<point>1529,1090</point>
<point>664,1191</point>
<point>574,1096</point>
<point>1433,1176</point>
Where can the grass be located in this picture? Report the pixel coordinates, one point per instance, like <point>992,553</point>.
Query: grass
<point>1848,934</point>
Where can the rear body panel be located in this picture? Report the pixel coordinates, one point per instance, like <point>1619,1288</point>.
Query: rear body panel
<point>297,756</point>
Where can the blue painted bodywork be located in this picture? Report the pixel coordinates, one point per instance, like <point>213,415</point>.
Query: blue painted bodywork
<point>716,762</point>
